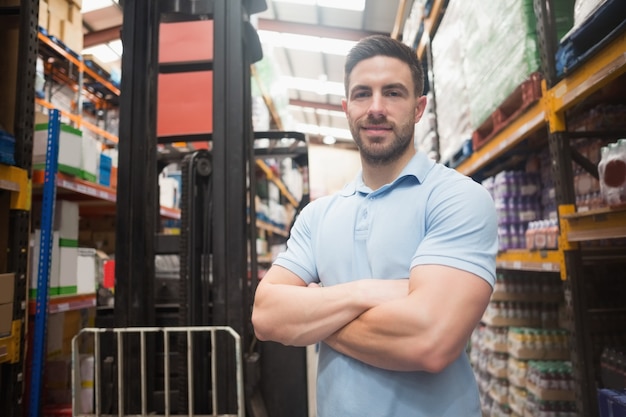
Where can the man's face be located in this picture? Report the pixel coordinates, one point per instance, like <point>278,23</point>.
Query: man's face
<point>382,108</point>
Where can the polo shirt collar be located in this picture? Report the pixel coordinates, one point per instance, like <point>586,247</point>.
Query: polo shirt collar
<point>418,167</point>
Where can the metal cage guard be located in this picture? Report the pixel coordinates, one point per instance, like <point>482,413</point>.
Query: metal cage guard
<point>142,332</point>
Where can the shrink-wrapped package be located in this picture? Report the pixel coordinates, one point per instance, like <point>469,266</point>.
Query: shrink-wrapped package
<point>451,94</point>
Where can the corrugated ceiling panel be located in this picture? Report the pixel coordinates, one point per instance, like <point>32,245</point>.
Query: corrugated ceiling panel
<point>380,16</point>
<point>348,19</point>
<point>298,13</point>
<point>306,64</point>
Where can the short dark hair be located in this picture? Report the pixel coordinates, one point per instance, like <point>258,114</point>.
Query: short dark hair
<point>377,45</point>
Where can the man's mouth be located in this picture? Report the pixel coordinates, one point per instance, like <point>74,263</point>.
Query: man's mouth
<point>377,128</point>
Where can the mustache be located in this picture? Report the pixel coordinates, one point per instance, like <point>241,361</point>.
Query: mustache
<point>376,120</point>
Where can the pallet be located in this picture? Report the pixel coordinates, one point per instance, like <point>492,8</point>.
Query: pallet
<point>515,104</point>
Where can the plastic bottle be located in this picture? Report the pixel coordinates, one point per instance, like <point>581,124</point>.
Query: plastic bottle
<point>612,172</point>
<point>540,235</point>
<point>530,235</point>
<point>552,234</point>
<point>514,241</point>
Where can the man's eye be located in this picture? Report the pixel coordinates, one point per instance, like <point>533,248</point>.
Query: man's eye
<point>360,94</point>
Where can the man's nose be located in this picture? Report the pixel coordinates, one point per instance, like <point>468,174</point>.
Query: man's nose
<point>377,106</point>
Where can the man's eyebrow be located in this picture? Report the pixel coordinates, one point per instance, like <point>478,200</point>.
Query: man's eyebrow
<point>398,86</point>
<point>360,87</point>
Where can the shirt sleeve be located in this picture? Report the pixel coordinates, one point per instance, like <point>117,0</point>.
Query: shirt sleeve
<point>461,230</point>
<point>299,255</point>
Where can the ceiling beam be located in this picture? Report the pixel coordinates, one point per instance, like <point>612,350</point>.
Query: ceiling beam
<point>102,36</point>
<point>314,30</point>
<point>315,105</point>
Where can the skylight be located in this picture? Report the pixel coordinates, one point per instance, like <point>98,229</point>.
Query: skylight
<point>356,5</point>
<point>320,87</point>
<point>91,5</point>
<point>305,42</point>
<point>323,131</point>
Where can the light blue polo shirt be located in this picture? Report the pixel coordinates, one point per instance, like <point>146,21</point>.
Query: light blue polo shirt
<point>430,214</point>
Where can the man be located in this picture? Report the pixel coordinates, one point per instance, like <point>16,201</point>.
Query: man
<point>393,273</point>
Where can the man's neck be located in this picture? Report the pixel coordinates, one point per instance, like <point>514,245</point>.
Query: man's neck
<point>377,175</point>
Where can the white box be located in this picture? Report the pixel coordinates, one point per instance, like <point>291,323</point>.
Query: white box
<point>86,271</point>
<point>70,148</point>
<point>54,264</point>
<point>68,250</point>
<point>66,219</point>
<point>169,193</point>
<point>90,158</point>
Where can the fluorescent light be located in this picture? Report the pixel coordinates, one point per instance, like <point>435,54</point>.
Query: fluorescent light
<point>323,131</point>
<point>316,86</point>
<point>91,5</point>
<point>356,5</point>
<point>305,42</point>
<point>321,112</point>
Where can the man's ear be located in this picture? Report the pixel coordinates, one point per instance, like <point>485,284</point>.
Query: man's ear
<point>344,105</point>
<point>420,107</point>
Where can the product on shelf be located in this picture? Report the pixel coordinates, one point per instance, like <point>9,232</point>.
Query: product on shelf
<point>7,148</point>
<point>450,89</point>
<point>517,199</point>
<point>613,367</point>
<point>594,21</point>
<point>612,173</point>
<point>502,49</point>
<point>612,402</point>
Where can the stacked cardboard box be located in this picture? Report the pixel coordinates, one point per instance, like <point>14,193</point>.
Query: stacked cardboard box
<point>63,20</point>
<point>78,155</point>
<point>63,266</point>
<point>6,303</point>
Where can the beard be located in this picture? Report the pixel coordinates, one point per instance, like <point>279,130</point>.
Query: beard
<point>373,150</point>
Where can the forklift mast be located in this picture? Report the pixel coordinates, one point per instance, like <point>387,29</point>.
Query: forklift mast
<point>218,269</point>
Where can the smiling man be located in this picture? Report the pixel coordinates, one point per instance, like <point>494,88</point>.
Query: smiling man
<point>393,273</point>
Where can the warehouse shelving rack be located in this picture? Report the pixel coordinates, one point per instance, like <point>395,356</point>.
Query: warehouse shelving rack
<point>16,179</point>
<point>66,67</point>
<point>548,117</point>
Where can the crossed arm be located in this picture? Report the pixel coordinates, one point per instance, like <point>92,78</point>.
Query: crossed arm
<point>420,323</point>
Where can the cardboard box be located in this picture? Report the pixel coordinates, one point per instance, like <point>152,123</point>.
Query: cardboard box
<point>43,14</point>
<point>55,25</point>
<point>7,285</point>
<point>90,159</point>
<point>53,288</point>
<point>86,271</point>
<point>546,394</point>
<point>9,39</point>
<point>73,34</point>
<point>5,204</point>
<point>6,319</point>
<point>68,252</point>
<point>66,219</point>
<point>105,241</point>
<point>70,149</point>
<point>58,7</point>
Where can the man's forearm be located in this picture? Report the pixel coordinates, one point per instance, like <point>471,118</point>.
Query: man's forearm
<point>296,315</point>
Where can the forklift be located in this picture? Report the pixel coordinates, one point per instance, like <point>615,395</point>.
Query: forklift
<point>178,339</point>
